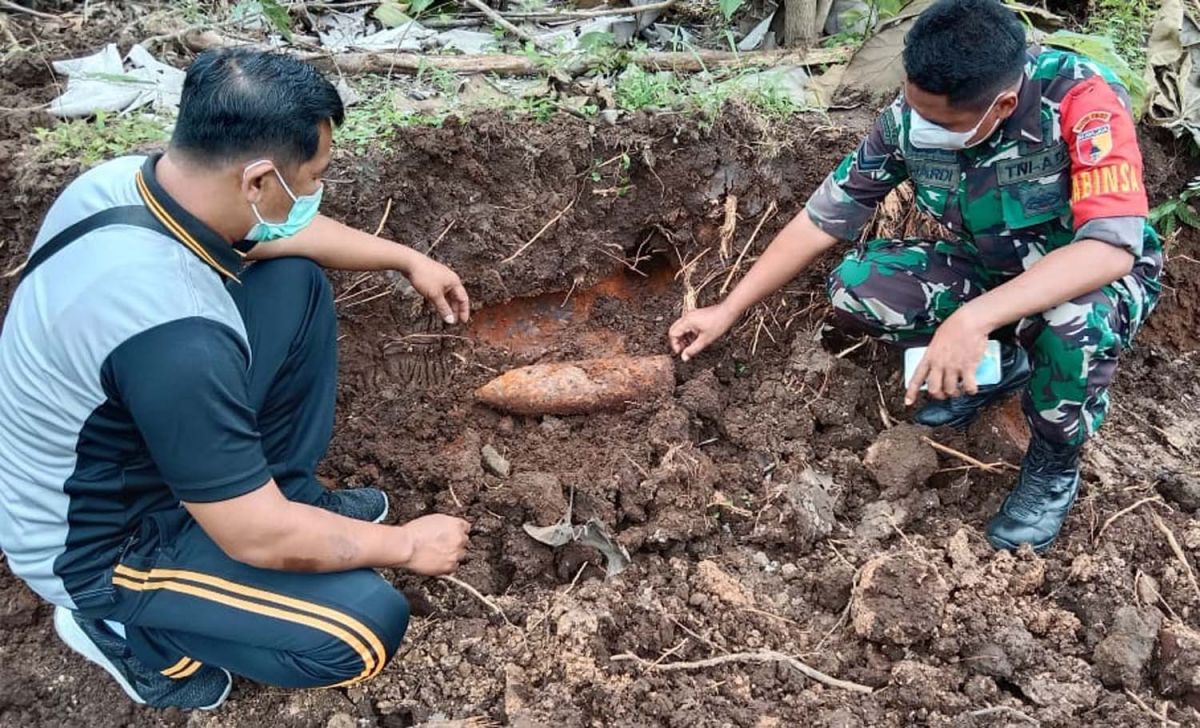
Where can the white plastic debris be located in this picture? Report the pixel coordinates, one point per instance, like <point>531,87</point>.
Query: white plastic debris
<point>755,37</point>
<point>407,37</point>
<point>470,42</point>
<point>103,82</point>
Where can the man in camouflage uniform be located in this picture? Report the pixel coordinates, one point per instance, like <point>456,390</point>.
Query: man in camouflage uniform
<point>1029,157</point>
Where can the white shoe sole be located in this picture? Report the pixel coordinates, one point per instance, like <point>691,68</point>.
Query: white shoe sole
<point>74,637</point>
<point>386,507</point>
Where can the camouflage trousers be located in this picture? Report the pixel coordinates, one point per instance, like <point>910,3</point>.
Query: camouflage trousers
<point>901,290</point>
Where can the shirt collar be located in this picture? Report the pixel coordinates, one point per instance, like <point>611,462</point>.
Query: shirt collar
<point>1025,124</point>
<point>185,227</point>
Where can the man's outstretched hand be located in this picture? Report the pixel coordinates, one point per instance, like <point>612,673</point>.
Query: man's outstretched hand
<point>953,356</point>
<point>438,542</point>
<point>441,287</point>
<point>695,330</point>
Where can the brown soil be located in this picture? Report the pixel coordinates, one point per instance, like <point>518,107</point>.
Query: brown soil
<point>757,510</point>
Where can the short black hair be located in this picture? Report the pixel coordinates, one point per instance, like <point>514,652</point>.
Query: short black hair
<point>966,50</point>
<point>243,102</point>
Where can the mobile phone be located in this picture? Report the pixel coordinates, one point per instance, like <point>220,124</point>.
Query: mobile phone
<point>987,373</point>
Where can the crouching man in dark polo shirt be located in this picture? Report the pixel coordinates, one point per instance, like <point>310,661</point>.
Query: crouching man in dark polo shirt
<point>163,405</point>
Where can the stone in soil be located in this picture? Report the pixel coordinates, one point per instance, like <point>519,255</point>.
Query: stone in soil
<point>724,587</point>
<point>899,600</point>
<point>900,460</point>
<point>494,462</point>
<point>1121,657</point>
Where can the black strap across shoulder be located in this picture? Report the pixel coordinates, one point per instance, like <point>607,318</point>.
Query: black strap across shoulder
<point>136,215</point>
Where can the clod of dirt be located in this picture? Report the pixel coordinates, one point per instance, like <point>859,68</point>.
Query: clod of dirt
<point>494,462</point>
<point>813,508</point>
<point>1178,670</point>
<point>1183,488</point>
<point>538,494</point>
<point>701,395</point>
<point>899,600</point>
<point>1121,657</point>
<point>880,520</point>
<point>724,587</point>
<point>900,460</point>
<point>579,387</point>
<point>341,720</point>
<point>1000,433</point>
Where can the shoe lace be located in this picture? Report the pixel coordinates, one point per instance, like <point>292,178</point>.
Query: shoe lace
<point>1042,462</point>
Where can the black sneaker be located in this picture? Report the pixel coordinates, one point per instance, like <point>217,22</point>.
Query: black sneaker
<point>362,504</point>
<point>204,689</point>
<point>1035,510</point>
<point>958,412</point>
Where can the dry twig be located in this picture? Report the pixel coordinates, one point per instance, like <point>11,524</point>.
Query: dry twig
<point>387,210</point>
<point>1174,544</point>
<point>9,5</point>
<point>1007,711</point>
<point>1120,513</point>
<point>439,238</point>
<point>1162,719</point>
<point>729,226</point>
<point>475,593</point>
<point>504,22</point>
<point>541,232</point>
<point>766,216</point>
<point>989,467</point>
<point>762,656</point>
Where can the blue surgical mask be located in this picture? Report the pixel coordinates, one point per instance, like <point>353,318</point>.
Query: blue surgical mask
<point>303,212</point>
<point>924,134</point>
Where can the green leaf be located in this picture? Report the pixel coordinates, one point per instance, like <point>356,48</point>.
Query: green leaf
<point>416,7</point>
<point>391,14</point>
<point>277,16</point>
<point>1189,217</point>
<point>1100,49</point>
<point>729,7</point>
<point>596,41</point>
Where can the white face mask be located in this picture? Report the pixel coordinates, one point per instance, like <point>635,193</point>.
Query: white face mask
<point>924,134</point>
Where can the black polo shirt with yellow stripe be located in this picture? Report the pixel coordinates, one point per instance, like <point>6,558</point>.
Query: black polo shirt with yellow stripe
<point>123,385</point>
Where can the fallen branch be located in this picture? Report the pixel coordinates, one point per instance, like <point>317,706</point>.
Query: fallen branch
<point>1174,544</point>
<point>514,65</point>
<point>551,15</point>
<point>761,656</point>
<point>503,22</point>
<point>475,593</point>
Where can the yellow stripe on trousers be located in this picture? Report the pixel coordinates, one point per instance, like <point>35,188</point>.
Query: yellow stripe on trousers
<point>169,579</point>
<point>177,667</point>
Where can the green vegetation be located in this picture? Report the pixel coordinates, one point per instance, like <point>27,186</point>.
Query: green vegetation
<point>103,137</point>
<point>372,122</point>
<point>1167,217</point>
<point>1127,23</point>
<point>877,12</point>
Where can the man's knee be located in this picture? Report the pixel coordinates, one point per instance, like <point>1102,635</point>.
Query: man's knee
<point>359,646</point>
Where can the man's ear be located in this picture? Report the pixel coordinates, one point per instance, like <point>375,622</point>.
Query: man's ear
<point>1007,104</point>
<point>254,178</point>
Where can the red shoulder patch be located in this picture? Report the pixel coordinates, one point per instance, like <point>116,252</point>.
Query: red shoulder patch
<point>1093,137</point>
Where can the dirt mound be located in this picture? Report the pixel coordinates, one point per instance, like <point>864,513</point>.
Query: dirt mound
<point>766,502</point>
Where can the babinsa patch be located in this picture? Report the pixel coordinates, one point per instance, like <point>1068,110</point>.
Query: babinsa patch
<point>1093,137</point>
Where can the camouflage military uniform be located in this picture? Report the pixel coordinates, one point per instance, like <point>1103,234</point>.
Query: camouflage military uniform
<point>1064,167</point>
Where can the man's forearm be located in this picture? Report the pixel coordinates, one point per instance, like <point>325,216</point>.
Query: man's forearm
<point>315,540</point>
<point>331,244</point>
<point>1062,275</point>
<point>793,249</point>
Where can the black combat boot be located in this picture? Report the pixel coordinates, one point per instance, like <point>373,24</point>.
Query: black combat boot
<point>1035,510</point>
<point>962,411</point>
